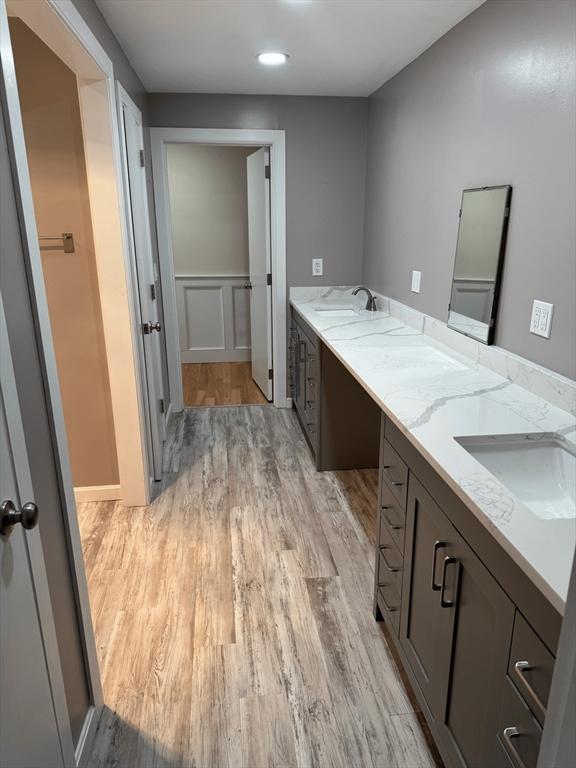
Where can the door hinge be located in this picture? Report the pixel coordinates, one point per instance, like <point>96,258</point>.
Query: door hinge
<point>142,161</point>
<point>269,278</point>
<point>153,292</point>
<point>161,401</point>
<point>270,374</point>
<point>267,172</point>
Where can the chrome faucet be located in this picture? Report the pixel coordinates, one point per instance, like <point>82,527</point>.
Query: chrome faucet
<point>371,303</point>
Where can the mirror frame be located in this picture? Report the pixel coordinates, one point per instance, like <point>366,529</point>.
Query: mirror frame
<point>499,268</point>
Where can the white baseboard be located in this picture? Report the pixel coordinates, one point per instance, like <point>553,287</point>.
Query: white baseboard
<point>97,493</point>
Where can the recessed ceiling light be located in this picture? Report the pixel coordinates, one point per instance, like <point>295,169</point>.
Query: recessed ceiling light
<point>272,59</point>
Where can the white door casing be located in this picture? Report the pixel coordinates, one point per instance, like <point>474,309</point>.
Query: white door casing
<point>275,140</point>
<point>35,727</point>
<point>259,260</point>
<point>143,277</point>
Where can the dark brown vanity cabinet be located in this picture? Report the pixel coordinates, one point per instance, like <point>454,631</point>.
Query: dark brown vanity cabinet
<point>339,418</point>
<point>305,370</point>
<point>479,670</point>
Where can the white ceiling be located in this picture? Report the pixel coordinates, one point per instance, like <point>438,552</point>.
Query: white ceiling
<point>336,47</point>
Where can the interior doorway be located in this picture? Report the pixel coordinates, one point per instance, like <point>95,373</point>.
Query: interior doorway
<point>84,271</point>
<point>220,210</point>
<point>219,199</point>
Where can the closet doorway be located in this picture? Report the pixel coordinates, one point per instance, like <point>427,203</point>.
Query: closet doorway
<point>220,225</point>
<point>221,239</point>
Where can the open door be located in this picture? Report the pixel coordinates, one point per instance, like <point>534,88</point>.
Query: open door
<point>34,728</point>
<point>144,278</point>
<point>258,180</point>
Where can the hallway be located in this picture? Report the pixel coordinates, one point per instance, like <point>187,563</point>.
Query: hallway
<point>233,616</point>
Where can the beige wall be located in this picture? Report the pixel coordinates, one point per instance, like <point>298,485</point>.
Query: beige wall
<point>209,209</point>
<point>53,131</point>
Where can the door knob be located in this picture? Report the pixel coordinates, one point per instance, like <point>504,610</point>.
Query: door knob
<point>248,286</point>
<point>28,516</point>
<point>149,327</point>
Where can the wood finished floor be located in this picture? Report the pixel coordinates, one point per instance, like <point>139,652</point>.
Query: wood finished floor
<point>220,384</point>
<point>233,616</point>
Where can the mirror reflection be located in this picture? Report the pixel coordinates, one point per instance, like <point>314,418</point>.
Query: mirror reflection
<point>478,264</point>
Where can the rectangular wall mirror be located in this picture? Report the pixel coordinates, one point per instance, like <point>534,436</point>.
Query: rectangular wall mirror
<point>480,249</point>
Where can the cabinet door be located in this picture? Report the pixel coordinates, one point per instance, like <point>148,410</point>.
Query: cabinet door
<point>482,637</point>
<point>426,626</point>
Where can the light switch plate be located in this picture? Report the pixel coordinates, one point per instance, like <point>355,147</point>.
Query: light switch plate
<point>317,267</point>
<point>541,319</point>
<point>416,277</point>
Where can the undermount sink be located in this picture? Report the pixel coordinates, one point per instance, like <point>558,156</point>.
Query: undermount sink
<point>539,469</point>
<point>337,312</point>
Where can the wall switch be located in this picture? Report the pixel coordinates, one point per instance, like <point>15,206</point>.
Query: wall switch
<point>317,267</point>
<point>541,318</point>
<point>416,277</point>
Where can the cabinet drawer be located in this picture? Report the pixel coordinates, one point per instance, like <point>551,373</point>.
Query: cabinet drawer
<point>392,517</point>
<point>519,732</point>
<point>530,667</point>
<point>389,604</point>
<point>394,473</point>
<point>390,567</point>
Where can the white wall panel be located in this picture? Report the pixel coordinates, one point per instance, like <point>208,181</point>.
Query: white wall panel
<point>213,318</point>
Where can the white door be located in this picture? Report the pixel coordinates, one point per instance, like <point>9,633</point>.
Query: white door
<point>260,269</point>
<point>30,673</point>
<point>145,284</point>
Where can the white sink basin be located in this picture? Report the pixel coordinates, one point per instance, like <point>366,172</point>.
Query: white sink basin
<point>539,469</point>
<point>339,312</point>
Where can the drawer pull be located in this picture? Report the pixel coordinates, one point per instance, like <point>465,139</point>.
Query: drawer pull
<point>388,567</point>
<point>512,733</point>
<point>388,607</point>
<point>396,483</point>
<point>447,603</point>
<point>394,526</point>
<point>437,545</point>
<point>519,668</point>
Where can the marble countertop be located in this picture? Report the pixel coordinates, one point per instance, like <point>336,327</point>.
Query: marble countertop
<point>435,394</point>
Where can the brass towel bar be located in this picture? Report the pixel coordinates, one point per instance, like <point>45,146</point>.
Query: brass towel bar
<point>66,242</point>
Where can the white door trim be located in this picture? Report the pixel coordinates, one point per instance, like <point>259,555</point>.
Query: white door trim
<point>233,137</point>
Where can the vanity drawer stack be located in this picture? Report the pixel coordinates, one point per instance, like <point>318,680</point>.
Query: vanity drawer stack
<point>391,527</point>
<point>525,698</point>
<point>305,370</point>
<point>475,635</point>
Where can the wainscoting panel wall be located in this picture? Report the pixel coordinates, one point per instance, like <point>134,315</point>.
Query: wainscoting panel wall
<point>213,318</point>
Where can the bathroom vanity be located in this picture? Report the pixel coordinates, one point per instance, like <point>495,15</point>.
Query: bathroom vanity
<point>470,579</point>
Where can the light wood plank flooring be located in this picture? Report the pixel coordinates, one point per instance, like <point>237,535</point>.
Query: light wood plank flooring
<point>220,384</point>
<point>233,616</point>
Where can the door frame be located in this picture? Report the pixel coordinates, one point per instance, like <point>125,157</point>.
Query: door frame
<point>53,21</point>
<point>275,140</point>
<point>124,102</point>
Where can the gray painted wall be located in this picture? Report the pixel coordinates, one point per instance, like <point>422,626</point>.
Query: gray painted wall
<point>492,102</point>
<point>325,169</point>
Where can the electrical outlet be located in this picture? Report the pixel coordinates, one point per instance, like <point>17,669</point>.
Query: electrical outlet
<point>416,278</point>
<point>541,319</point>
<point>317,267</point>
